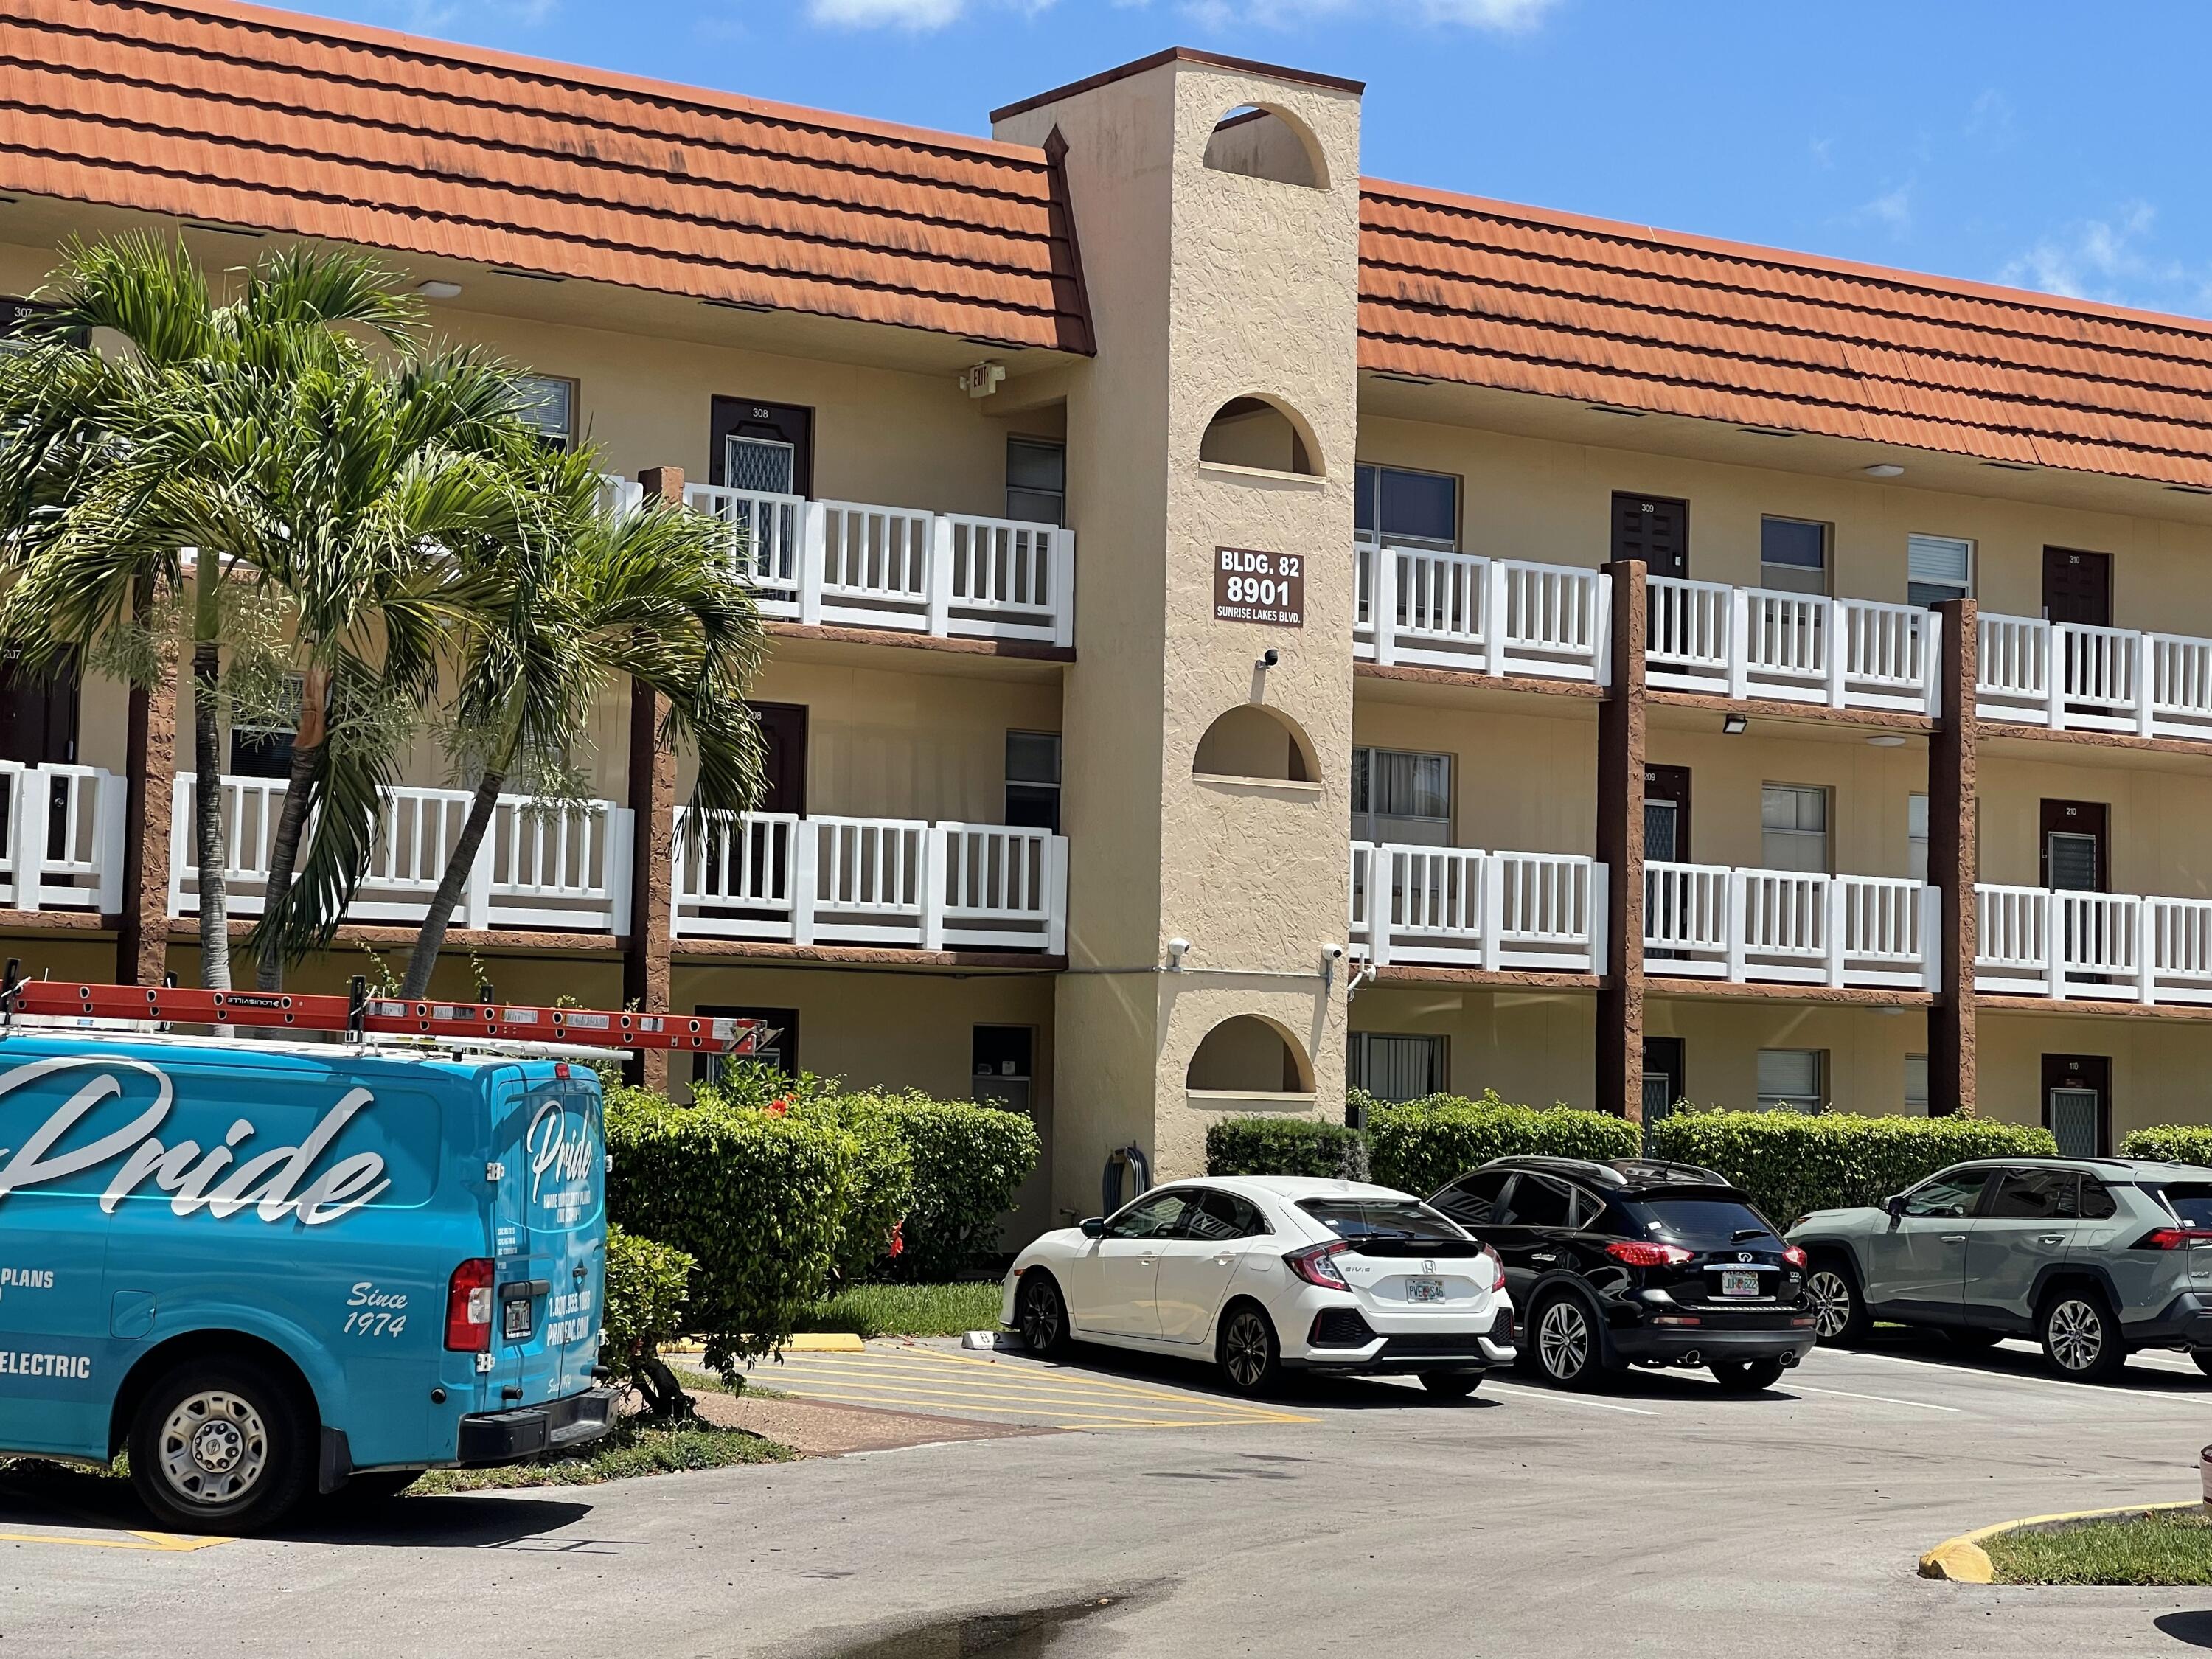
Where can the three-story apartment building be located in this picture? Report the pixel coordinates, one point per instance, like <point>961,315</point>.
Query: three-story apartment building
<point>1238,627</point>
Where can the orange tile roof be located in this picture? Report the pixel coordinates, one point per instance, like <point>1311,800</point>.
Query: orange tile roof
<point>205,109</point>
<point>1456,288</point>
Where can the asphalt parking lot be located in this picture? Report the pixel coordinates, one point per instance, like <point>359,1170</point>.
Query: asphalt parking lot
<point>1352,1517</point>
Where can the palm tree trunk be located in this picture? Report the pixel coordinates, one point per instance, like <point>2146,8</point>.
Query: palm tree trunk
<point>439,916</point>
<point>309,743</point>
<point>207,816</point>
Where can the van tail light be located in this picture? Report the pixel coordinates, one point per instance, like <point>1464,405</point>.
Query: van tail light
<point>1488,1257</point>
<point>1313,1264</point>
<point>2174,1238</point>
<point>468,1308</point>
<point>1795,1256</point>
<point>1642,1253</point>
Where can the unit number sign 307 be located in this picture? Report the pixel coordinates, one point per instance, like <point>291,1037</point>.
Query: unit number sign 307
<point>1249,586</point>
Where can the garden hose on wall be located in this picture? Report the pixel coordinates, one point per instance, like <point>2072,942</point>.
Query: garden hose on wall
<point>1109,1186</point>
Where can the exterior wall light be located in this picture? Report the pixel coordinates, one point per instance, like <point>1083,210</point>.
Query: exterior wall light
<point>1734,724</point>
<point>1884,470</point>
<point>436,289</point>
<point>1886,740</point>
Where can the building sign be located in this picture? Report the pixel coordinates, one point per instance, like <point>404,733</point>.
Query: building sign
<point>1258,587</point>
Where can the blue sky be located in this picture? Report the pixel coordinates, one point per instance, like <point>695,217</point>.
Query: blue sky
<point>2046,145</point>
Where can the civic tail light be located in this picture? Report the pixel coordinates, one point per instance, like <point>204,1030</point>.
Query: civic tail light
<point>1488,1257</point>
<point>1641,1252</point>
<point>1314,1265</point>
<point>1794,1255</point>
<point>468,1308</point>
<point>2174,1238</point>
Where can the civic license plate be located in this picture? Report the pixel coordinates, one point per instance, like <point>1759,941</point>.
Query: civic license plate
<point>1733,1284</point>
<point>1425,1289</point>
<point>515,1325</point>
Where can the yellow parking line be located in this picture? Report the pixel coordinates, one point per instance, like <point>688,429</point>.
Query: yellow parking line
<point>1033,1387</point>
<point>165,1543</point>
<point>983,1400</point>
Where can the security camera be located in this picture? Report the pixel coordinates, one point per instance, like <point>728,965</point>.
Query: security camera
<point>1270,657</point>
<point>1333,951</point>
<point>1177,950</point>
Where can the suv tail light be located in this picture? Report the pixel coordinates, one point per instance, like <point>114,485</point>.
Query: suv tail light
<point>1313,1265</point>
<point>1490,1259</point>
<point>1795,1256</point>
<point>1641,1252</point>
<point>468,1308</point>
<point>2174,1238</point>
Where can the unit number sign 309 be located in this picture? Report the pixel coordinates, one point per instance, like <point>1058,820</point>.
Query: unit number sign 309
<point>1249,586</point>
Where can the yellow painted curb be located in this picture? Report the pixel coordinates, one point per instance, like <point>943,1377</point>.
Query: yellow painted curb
<point>1964,1561</point>
<point>801,1342</point>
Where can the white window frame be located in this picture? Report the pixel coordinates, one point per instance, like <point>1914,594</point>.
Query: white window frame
<point>1952,590</point>
<point>1791,578</point>
<point>1826,863</point>
<point>1794,1101</point>
<point>1916,836</point>
<point>1409,829</point>
<point>526,408</point>
<point>1917,1105</point>
<point>1359,1059</point>
<point>1375,536</point>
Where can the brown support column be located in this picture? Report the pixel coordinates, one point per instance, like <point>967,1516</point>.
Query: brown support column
<point>1954,838</point>
<point>653,819</point>
<point>1621,849</point>
<point>141,934</point>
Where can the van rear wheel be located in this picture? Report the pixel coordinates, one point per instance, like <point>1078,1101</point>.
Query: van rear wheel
<point>219,1445</point>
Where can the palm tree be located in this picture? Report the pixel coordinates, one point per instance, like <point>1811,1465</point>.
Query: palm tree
<point>588,597</point>
<point>302,438</point>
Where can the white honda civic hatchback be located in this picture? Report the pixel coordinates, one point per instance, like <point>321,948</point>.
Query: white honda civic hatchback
<point>1270,1274</point>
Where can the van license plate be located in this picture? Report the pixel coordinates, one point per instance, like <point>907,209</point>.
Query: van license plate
<point>1739,1284</point>
<point>516,1325</point>
<point>1425,1289</point>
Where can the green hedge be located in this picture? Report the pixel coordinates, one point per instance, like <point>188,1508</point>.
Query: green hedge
<point>648,1286</point>
<point>969,1161</point>
<point>1790,1163</point>
<point>758,1199</point>
<point>1419,1146</point>
<point>2176,1143</point>
<point>1265,1145</point>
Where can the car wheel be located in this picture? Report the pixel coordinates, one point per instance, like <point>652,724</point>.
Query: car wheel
<point>2081,1337</point>
<point>1569,1349</point>
<point>1451,1385</point>
<point>219,1445</point>
<point>1250,1357</point>
<point>1043,1315</point>
<point>1746,1376</point>
<point>1967,1337</point>
<point>1839,1312</point>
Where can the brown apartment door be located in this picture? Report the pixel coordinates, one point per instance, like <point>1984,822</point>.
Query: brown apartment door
<point>2076,842</point>
<point>783,757</point>
<point>1653,528</point>
<point>768,447</point>
<point>2077,586</point>
<point>1667,814</point>
<point>2077,1103</point>
<point>38,717</point>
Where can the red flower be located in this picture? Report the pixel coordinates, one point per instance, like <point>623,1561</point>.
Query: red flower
<point>778,1108</point>
<point>898,1239</point>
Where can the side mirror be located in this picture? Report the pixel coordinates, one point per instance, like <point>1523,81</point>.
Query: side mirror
<point>1895,1205</point>
<point>1094,1227</point>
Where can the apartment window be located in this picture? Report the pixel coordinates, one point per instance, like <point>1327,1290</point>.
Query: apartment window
<point>1916,836</point>
<point>1406,508</point>
<point>1793,1080</point>
<point>780,1051</point>
<point>1033,780</point>
<point>1793,556</point>
<point>547,405</point>
<point>1398,796</point>
<point>260,746</point>
<point>1395,1067</point>
<point>1938,567</point>
<point>1793,827</point>
<point>1036,481</point>
<point>1916,1085</point>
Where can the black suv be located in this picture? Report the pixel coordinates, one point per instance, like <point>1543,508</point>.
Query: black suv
<point>1637,1263</point>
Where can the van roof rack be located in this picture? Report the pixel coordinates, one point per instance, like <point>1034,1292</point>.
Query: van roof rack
<point>359,1017</point>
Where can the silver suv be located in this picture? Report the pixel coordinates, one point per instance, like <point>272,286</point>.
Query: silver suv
<point>2094,1257</point>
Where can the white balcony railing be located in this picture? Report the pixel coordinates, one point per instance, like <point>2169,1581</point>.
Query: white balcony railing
<point>61,838</point>
<point>2111,947</point>
<point>2071,676</point>
<point>1453,906</point>
<point>941,574</point>
<point>561,866</point>
<point>895,882</point>
<point>1704,920</point>
<point>1795,648</point>
<point>1431,610</point>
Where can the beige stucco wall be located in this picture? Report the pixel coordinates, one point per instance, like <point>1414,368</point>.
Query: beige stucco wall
<point>1722,1038</point>
<point>1523,781</point>
<point>2161,1069</point>
<point>1867,790</point>
<point>2157,817</point>
<point>1535,1048</point>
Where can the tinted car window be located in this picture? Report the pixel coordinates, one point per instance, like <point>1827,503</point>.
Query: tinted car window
<point>2097,1201</point>
<point>1157,1215</point>
<point>1223,1216</point>
<point>2189,1200</point>
<point>1540,1202</point>
<point>1356,1218</point>
<point>2037,1194</point>
<point>1715,1219</point>
<point>1472,1202</point>
<point>1947,1195</point>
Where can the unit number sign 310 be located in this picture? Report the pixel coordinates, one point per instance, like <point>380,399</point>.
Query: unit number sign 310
<point>1249,586</point>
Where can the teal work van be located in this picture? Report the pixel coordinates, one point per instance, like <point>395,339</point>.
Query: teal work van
<point>268,1269</point>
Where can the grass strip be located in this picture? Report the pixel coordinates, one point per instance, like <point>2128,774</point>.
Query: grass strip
<point>870,1311</point>
<point>631,1449</point>
<point>2168,1547</point>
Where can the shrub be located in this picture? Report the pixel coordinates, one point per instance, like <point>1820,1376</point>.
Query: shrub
<point>2176,1143</point>
<point>1265,1145</point>
<point>1790,1163</point>
<point>968,1162</point>
<point>647,1292</point>
<point>881,1186</point>
<point>1419,1146</point>
<point>758,1199</point>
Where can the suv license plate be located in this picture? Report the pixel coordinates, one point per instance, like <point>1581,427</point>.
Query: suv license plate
<point>1425,1289</point>
<point>515,1324</point>
<point>1739,1284</point>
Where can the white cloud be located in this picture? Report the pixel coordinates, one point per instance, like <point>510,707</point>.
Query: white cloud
<point>1892,209</point>
<point>2100,259</point>
<point>1503,16</point>
<point>918,16</point>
